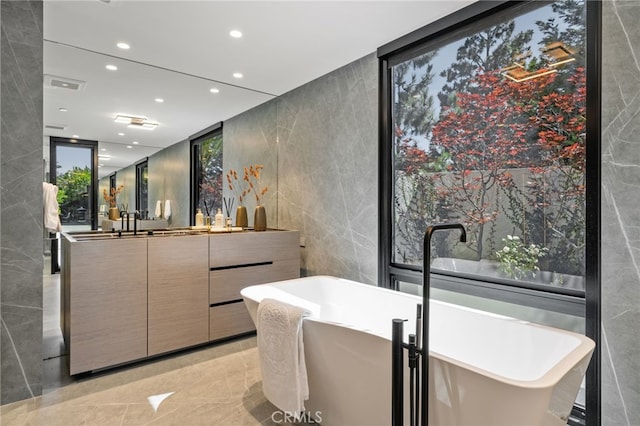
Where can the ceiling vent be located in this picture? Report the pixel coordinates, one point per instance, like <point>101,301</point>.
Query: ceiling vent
<point>55,82</point>
<point>55,126</point>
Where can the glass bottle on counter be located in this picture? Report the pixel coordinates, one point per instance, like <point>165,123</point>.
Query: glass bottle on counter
<point>219,220</point>
<point>199,218</point>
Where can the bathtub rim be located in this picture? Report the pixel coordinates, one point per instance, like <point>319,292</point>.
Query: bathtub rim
<point>549,379</point>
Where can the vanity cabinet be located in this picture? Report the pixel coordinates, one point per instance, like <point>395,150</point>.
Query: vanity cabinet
<point>240,260</point>
<point>178,286</point>
<point>126,298</point>
<point>105,316</point>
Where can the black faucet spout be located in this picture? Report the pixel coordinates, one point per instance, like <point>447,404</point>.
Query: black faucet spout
<point>124,214</point>
<point>426,295</point>
<point>136,216</point>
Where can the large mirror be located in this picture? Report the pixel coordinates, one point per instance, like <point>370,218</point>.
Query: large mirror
<point>82,98</point>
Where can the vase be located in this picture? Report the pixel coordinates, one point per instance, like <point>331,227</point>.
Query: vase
<point>241,217</point>
<point>260,219</point>
<point>114,213</point>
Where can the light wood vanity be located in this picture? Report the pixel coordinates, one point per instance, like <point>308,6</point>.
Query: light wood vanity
<point>128,298</point>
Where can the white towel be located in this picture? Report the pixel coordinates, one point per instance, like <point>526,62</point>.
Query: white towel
<point>158,213</point>
<point>167,209</point>
<point>50,204</point>
<point>281,353</point>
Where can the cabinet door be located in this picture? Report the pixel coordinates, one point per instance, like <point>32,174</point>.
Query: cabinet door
<point>178,292</point>
<point>107,303</point>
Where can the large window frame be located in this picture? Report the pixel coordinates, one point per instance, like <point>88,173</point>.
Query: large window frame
<point>78,143</point>
<point>574,303</point>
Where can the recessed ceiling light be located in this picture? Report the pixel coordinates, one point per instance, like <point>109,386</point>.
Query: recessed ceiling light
<point>62,109</point>
<point>111,67</point>
<point>214,90</point>
<point>129,146</point>
<point>120,134</point>
<point>159,100</point>
<point>123,45</point>
<point>235,34</point>
<point>135,142</point>
<point>104,157</point>
<point>237,74</point>
<point>75,136</point>
<point>103,149</point>
<point>73,140</point>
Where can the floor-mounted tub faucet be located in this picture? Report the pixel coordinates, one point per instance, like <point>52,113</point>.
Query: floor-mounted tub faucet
<point>426,294</point>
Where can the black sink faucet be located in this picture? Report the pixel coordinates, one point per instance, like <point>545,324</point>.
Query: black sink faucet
<point>136,216</point>
<point>426,290</point>
<point>122,216</point>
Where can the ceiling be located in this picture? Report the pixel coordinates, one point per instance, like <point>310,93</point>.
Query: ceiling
<point>179,50</point>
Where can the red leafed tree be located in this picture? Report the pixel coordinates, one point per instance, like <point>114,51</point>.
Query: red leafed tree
<point>499,125</point>
<point>559,182</point>
<point>484,134</point>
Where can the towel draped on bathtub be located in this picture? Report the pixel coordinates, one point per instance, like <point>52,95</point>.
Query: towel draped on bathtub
<point>281,353</point>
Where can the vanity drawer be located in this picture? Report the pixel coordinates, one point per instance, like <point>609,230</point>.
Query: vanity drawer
<point>253,247</point>
<point>225,284</point>
<point>229,320</point>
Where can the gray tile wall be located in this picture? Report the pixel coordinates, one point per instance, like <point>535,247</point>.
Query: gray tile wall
<point>21,176</point>
<point>620,217</point>
<point>323,159</point>
<point>251,138</point>
<point>126,177</point>
<point>328,170</point>
<point>169,180</point>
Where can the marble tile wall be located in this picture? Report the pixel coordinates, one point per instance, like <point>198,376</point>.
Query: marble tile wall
<point>127,197</point>
<point>251,138</point>
<point>169,180</point>
<point>620,218</point>
<point>21,176</point>
<point>319,146</point>
<point>328,170</point>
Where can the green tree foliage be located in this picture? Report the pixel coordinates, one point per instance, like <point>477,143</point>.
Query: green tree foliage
<point>489,50</point>
<point>570,27</point>
<point>73,188</point>
<point>413,116</point>
<point>413,107</point>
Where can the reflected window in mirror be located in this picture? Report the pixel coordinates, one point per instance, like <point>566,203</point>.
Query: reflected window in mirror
<point>112,181</point>
<point>206,172</point>
<point>142,188</point>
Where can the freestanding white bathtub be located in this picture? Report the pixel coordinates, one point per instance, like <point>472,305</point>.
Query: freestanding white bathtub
<point>485,369</point>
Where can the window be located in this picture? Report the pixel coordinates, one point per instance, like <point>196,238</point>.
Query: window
<point>488,130</point>
<point>142,188</point>
<point>112,181</point>
<point>206,172</point>
<point>74,171</point>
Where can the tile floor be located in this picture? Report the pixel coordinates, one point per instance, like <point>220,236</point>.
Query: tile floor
<point>212,385</point>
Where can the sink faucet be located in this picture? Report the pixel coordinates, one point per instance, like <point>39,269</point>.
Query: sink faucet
<point>426,290</point>
<point>122,215</point>
<point>136,216</point>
